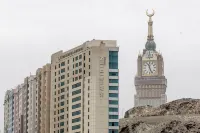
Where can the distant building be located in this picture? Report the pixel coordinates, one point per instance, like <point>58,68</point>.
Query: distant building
<point>84,89</point>
<point>43,92</point>
<point>150,82</point>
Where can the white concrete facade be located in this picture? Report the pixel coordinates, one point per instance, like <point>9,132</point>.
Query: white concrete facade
<point>80,95</point>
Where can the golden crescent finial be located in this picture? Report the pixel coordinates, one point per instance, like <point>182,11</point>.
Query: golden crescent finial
<point>150,15</point>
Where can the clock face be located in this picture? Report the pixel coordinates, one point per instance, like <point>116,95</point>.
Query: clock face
<point>149,67</point>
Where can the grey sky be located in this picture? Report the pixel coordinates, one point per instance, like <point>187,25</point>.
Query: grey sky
<point>30,31</point>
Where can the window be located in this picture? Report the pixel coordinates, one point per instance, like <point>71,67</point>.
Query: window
<point>76,106</point>
<point>62,90</point>
<point>89,66</point>
<point>61,123</point>
<point>62,83</point>
<point>62,117</point>
<point>55,73</point>
<point>62,70</point>
<point>76,127</point>
<point>80,56</point>
<point>76,57</point>
<point>113,117</point>
<point>113,59</point>
<point>113,80</point>
<point>113,73</point>
<point>68,61</point>
<point>113,102</point>
<point>113,87</point>
<point>63,76</point>
<point>88,80</point>
<point>67,74</point>
<point>63,64</point>
<point>76,85</point>
<point>62,110</point>
<point>76,64</point>
<point>76,71</point>
<point>80,63</point>
<point>62,103</point>
<point>113,94</point>
<point>80,70</point>
<point>76,120</point>
<point>76,99</point>
<point>80,77</point>
<point>113,124</point>
<point>55,66</point>
<point>62,97</point>
<point>55,86</point>
<point>89,59</point>
<point>113,109</point>
<point>113,131</point>
<point>76,113</point>
<point>62,130</point>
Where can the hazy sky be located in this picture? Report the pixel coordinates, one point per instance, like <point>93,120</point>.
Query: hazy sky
<point>31,30</point>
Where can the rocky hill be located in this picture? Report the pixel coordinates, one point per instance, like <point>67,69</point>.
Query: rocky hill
<point>179,116</point>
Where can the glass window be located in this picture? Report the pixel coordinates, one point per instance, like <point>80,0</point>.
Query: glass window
<point>113,124</point>
<point>76,92</point>
<point>62,97</point>
<point>63,76</point>
<point>76,120</point>
<point>62,90</point>
<point>62,130</point>
<point>62,117</point>
<point>76,113</point>
<point>76,85</point>
<point>113,109</point>
<point>113,59</point>
<point>113,94</point>
<point>76,106</point>
<point>76,127</point>
<point>113,73</point>
<point>113,81</point>
<point>115,102</point>
<point>62,83</point>
<point>113,87</point>
<point>113,131</point>
<point>61,123</point>
<point>113,117</point>
<point>76,99</point>
<point>63,64</point>
<point>62,103</point>
<point>62,70</point>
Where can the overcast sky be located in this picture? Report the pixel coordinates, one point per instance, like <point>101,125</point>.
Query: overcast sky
<point>31,30</point>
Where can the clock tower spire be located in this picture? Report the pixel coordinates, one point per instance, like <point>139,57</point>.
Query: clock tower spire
<point>150,82</point>
<point>150,44</point>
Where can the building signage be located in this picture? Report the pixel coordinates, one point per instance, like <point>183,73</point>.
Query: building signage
<point>102,62</point>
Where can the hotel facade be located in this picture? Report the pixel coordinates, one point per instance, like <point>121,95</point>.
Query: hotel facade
<point>84,89</point>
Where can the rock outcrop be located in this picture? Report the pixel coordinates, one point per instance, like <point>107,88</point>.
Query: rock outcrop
<point>179,116</point>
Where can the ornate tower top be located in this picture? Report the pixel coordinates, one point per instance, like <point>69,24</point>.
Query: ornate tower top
<point>150,44</point>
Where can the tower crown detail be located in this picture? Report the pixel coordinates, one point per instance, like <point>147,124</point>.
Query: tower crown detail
<point>150,44</point>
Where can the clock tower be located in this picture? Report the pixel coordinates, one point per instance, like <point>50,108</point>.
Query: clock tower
<point>150,82</point>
